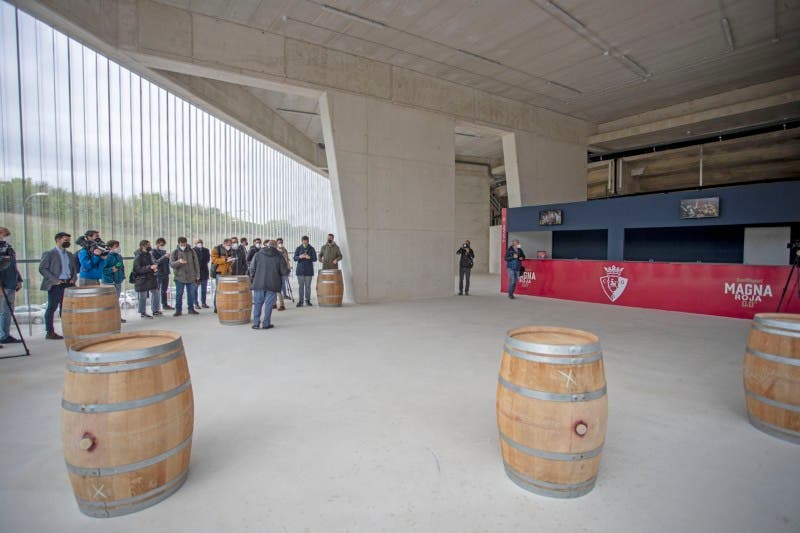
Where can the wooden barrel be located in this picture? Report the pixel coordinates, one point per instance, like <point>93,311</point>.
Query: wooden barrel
<point>772,375</point>
<point>89,313</point>
<point>552,410</point>
<point>234,300</point>
<point>330,288</point>
<point>126,421</point>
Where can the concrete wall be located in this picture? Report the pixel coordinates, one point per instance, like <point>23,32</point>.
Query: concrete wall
<point>392,177</point>
<point>473,211</point>
<point>495,248</point>
<point>543,170</point>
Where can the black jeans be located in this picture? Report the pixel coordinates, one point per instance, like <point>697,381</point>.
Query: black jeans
<point>163,287</point>
<point>463,274</point>
<point>54,298</point>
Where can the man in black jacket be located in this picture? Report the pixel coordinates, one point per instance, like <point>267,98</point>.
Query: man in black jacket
<point>161,258</point>
<point>465,267</point>
<point>239,267</point>
<point>266,272</point>
<point>203,257</point>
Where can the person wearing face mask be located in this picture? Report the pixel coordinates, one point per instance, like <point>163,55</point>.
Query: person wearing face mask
<point>465,267</point>
<point>330,255</point>
<point>253,251</point>
<point>514,258</point>
<point>145,282</point>
<point>113,268</point>
<point>10,283</point>
<point>222,260</point>
<point>59,270</point>
<point>305,256</point>
<point>239,266</point>
<point>161,258</point>
<point>284,278</point>
<point>203,258</point>
<point>90,258</point>
<point>186,272</point>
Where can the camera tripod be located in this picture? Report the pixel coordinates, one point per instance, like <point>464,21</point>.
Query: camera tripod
<point>795,266</point>
<point>19,331</point>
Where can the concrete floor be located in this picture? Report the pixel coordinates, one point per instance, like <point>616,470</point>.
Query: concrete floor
<point>381,418</point>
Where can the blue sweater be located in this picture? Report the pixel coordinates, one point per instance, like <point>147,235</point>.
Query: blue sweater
<point>305,267</point>
<point>91,265</point>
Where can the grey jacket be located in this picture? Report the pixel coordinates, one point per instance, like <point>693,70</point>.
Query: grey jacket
<point>266,270</point>
<point>185,273</point>
<point>50,268</point>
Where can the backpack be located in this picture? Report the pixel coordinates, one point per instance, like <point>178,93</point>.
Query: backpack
<point>132,277</point>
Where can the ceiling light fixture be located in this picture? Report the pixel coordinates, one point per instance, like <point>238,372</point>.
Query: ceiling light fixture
<point>726,29</point>
<point>353,16</point>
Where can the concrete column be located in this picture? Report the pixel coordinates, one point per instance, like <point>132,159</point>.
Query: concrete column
<point>473,211</point>
<point>392,178</point>
<point>541,170</point>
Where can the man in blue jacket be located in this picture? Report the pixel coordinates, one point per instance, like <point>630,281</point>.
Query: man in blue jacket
<point>90,260</point>
<point>305,256</point>
<point>514,258</point>
<point>10,284</point>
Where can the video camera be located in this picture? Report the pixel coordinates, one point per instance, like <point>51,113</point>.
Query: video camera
<point>794,250</point>
<point>92,245</point>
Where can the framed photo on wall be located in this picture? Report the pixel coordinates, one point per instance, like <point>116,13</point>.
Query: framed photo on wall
<point>550,217</point>
<point>700,207</point>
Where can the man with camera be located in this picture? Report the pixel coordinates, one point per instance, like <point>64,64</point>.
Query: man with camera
<point>58,271</point>
<point>91,258</point>
<point>161,258</point>
<point>465,267</point>
<point>10,284</point>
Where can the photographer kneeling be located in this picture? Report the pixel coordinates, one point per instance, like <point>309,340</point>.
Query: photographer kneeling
<point>91,258</point>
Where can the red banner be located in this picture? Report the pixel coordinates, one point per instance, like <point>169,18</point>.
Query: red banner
<point>738,291</point>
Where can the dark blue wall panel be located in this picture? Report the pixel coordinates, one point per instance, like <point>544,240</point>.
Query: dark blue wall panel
<point>763,203</point>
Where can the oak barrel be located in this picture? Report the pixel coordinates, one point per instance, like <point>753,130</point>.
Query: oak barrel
<point>234,300</point>
<point>126,421</point>
<point>552,409</point>
<point>772,375</point>
<point>330,288</point>
<point>89,313</point>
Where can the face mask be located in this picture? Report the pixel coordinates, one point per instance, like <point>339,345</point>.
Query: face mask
<point>199,245</point>
<point>227,247</point>
<point>280,245</point>
<point>148,249</point>
<point>182,246</point>
<point>258,245</point>
<point>115,251</point>
<point>330,241</point>
<point>6,240</point>
<point>159,247</point>
<point>235,245</point>
<point>66,244</point>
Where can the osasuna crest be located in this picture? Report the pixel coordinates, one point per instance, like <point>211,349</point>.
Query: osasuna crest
<point>613,283</point>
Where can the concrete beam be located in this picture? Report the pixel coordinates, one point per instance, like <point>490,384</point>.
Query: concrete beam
<point>247,111</point>
<point>723,106</point>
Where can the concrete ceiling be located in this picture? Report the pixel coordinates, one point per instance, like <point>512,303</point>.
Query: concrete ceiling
<point>551,54</point>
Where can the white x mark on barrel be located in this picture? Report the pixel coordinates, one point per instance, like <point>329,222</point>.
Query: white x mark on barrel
<point>568,377</point>
<point>98,491</point>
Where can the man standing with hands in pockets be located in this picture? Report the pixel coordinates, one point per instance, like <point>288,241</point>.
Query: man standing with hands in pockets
<point>330,255</point>
<point>186,271</point>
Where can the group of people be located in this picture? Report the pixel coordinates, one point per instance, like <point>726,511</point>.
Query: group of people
<point>267,263</point>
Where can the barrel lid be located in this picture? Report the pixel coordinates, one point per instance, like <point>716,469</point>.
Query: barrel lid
<point>128,346</point>
<point>234,279</point>
<point>553,340</point>
<point>93,290</point>
<point>790,321</point>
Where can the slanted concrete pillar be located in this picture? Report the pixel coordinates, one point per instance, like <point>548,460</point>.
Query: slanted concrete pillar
<point>541,170</point>
<point>392,178</point>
